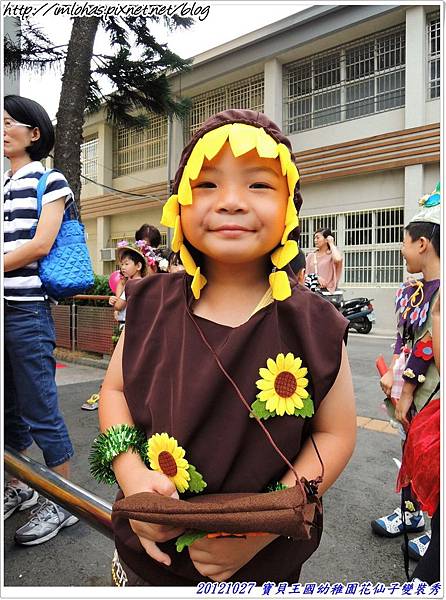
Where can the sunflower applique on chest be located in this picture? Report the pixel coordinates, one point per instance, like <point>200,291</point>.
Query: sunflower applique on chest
<point>283,389</point>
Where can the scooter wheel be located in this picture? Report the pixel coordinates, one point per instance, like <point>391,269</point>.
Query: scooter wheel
<point>366,327</point>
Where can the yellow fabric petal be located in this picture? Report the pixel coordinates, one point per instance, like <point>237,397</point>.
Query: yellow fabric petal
<point>302,382</point>
<point>198,283</point>
<point>170,211</point>
<point>271,404</point>
<point>213,141</point>
<point>301,393</point>
<point>242,138</point>
<point>263,384</point>
<point>288,229</point>
<point>177,239</point>
<point>187,260</point>
<point>291,211</point>
<point>280,285</point>
<point>272,366</point>
<point>285,254</point>
<point>297,364</point>
<point>280,360</point>
<point>264,395</point>
<point>281,406</point>
<point>301,372</point>
<point>184,189</point>
<point>266,374</point>
<point>195,161</point>
<point>292,176</point>
<point>266,146</point>
<point>298,403</point>
<point>289,360</point>
<point>289,406</point>
<point>285,158</point>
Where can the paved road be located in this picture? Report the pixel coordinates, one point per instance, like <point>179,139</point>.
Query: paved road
<point>79,556</point>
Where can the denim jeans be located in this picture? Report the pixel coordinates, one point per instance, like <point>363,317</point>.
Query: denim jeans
<point>31,405</point>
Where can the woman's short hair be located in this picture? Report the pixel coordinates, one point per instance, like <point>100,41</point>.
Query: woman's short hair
<point>150,234</point>
<point>30,112</point>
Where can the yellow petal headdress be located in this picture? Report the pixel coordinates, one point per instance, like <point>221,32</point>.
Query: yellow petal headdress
<point>242,138</point>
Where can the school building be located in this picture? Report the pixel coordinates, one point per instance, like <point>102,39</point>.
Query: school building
<point>357,90</point>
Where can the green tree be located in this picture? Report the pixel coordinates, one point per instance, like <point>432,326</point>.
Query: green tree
<point>136,69</point>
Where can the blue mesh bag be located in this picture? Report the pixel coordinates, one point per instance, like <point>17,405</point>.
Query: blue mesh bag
<point>66,270</point>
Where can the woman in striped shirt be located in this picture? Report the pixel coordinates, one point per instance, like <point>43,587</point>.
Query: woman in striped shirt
<point>31,405</point>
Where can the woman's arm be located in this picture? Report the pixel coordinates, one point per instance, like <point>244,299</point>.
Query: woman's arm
<point>40,245</point>
<point>131,473</point>
<point>337,256</point>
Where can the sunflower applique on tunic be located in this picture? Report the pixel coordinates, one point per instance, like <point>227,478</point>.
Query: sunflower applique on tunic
<point>282,388</point>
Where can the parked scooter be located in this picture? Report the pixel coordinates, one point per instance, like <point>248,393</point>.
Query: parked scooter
<point>359,311</point>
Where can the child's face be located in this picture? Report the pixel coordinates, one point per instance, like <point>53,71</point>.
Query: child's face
<point>411,253</point>
<point>238,209</point>
<point>17,137</point>
<point>129,268</point>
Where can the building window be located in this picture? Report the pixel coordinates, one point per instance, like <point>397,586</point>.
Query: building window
<point>347,82</point>
<point>140,148</point>
<point>247,93</point>
<point>370,241</point>
<point>433,53</point>
<point>89,158</point>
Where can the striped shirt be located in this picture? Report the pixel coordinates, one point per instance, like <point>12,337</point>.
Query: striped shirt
<point>19,217</point>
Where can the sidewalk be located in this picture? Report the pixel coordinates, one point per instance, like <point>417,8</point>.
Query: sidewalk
<point>349,551</point>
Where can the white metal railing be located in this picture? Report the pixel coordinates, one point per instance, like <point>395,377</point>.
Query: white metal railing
<point>350,81</point>
<point>370,241</point>
<point>433,56</point>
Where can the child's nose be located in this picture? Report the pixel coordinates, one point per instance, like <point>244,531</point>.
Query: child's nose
<point>231,201</point>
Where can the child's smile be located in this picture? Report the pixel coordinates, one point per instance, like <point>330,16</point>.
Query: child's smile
<point>238,208</point>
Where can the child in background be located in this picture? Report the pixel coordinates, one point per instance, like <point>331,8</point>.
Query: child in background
<point>413,347</point>
<point>234,211</point>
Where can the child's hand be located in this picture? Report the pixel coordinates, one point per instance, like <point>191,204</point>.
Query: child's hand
<point>402,408</point>
<point>116,315</point>
<point>112,300</point>
<point>149,533</point>
<point>322,282</point>
<point>386,382</point>
<point>220,558</point>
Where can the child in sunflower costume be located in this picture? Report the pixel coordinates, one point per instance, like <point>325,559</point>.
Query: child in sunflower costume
<point>210,353</point>
<point>412,378</point>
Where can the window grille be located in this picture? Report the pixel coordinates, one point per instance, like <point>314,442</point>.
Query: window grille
<point>369,240</point>
<point>89,158</point>
<point>347,82</point>
<point>139,148</point>
<point>246,93</point>
<point>434,44</point>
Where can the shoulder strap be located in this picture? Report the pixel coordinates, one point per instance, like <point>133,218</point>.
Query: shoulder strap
<point>41,185</point>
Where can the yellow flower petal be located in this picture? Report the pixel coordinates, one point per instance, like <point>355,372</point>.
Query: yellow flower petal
<point>291,211</point>
<point>266,146</point>
<point>198,283</point>
<point>297,401</point>
<point>297,364</point>
<point>272,366</point>
<point>266,373</point>
<point>265,395</point>
<point>196,159</point>
<point>271,404</point>
<point>302,382</point>
<point>213,141</point>
<point>285,254</point>
<point>285,158</point>
<point>184,189</point>
<point>281,406</point>
<point>288,229</point>
<point>289,406</point>
<point>280,359</point>
<point>301,393</point>
<point>264,384</point>
<point>177,239</point>
<point>242,138</point>
<point>301,372</point>
<point>187,260</point>
<point>280,285</point>
<point>170,211</point>
<point>289,360</point>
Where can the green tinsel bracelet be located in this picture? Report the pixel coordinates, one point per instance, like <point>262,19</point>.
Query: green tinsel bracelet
<point>114,441</point>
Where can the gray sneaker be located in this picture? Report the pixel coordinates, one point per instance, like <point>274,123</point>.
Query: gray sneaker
<point>17,496</point>
<point>46,521</point>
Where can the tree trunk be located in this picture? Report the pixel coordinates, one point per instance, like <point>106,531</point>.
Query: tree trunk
<point>73,100</point>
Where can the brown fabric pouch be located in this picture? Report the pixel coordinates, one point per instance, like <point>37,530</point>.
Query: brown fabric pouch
<point>286,512</point>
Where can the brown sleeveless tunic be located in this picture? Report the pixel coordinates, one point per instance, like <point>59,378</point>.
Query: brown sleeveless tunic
<point>172,384</point>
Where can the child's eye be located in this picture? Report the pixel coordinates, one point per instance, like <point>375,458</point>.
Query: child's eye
<point>205,184</point>
<point>261,186</point>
